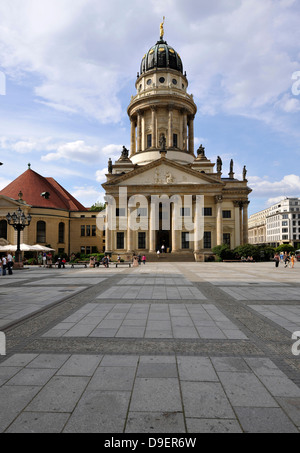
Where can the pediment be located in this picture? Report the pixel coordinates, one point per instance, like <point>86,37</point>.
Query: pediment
<point>8,204</point>
<point>163,172</point>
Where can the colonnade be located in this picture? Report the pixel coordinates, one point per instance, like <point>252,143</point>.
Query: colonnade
<point>140,130</point>
<point>239,227</point>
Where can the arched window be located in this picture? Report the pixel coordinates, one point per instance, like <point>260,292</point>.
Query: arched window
<point>41,232</point>
<point>61,233</point>
<point>3,229</point>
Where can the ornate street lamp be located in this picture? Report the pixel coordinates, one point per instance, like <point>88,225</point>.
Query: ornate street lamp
<point>19,222</point>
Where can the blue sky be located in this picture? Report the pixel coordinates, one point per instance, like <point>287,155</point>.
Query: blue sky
<point>70,68</point>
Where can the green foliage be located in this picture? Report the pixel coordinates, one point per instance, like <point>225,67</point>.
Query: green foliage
<point>98,207</point>
<point>257,252</point>
<point>223,252</point>
<point>84,257</point>
<point>285,248</point>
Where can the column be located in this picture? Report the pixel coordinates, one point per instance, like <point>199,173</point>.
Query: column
<point>241,223</point>
<point>144,144</point>
<point>170,135</point>
<point>133,138</point>
<point>198,222</point>
<point>237,232</point>
<point>129,232</point>
<point>245,221</point>
<point>219,200</point>
<point>191,135</point>
<point>139,132</point>
<point>175,232</point>
<point>184,131</point>
<point>152,227</point>
<point>154,135</point>
<point>109,225</point>
<point>181,132</point>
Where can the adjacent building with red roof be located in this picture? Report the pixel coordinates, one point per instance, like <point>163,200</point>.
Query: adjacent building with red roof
<point>58,219</point>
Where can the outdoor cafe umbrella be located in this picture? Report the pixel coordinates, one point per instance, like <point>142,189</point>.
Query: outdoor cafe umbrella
<point>13,248</point>
<point>42,248</point>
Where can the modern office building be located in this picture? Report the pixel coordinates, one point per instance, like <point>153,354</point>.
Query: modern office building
<point>276,225</point>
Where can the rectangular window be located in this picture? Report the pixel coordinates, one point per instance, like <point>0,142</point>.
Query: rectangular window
<point>185,240</point>
<point>93,230</point>
<point>207,212</point>
<point>88,230</point>
<point>88,250</point>
<point>185,212</point>
<point>226,239</point>
<point>226,214</point>
<point>207,240</point>
<point>141,241</point>
<point>82,230</point>
<point>120,241</point>
<point>120,212</point>
<point>149,141</point>
<point>175,141</point>
<point>82,249</point>
<point>142,212</point>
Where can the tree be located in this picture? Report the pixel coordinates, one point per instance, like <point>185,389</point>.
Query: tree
<point>223,252</point>
<point>285,248</point>
<point>98,207</point>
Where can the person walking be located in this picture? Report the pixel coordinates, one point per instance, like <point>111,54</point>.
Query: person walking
<point>277,260</point>
<point>286,260</point>
<point>10,263</point>
<point>292,261</point>
<point>144,259</point>
<point>4,265</point>
<point>44,259</point>
<point>40,260</point>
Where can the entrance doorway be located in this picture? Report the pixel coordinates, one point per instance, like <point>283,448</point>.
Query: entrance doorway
<point>163,238</point>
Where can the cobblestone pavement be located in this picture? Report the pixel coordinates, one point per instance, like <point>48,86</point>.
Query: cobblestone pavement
<point>162,348</point>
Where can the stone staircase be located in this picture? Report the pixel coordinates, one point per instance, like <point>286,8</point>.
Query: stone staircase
<point>183,257</point>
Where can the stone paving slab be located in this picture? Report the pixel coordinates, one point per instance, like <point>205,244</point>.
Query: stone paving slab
<point>263,293</point>
<point>285,316</point>
<point>17,303</point>
<point>89,363</point>
<point>151,292</point>
<point>123,393</point>
<point>63,281</point>
<point>148,321</point>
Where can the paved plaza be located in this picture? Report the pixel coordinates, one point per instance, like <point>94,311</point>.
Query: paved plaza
<point>161,348</point>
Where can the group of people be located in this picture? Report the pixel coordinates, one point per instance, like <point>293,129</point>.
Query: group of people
<point>6,264</point>
<point>46,260</point>
<point>138,260</point>
<point>288,259</point>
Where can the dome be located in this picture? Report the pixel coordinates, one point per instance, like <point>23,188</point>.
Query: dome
<point>161,56</point>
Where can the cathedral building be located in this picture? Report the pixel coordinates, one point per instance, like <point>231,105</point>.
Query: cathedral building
<point>161,194</point>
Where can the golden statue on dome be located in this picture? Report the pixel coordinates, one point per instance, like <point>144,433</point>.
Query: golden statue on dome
<point>162,32</point>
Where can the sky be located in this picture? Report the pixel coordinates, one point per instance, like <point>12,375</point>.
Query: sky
<point>68,70</point>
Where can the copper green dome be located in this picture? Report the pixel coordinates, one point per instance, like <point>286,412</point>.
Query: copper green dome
<point>161,56</point>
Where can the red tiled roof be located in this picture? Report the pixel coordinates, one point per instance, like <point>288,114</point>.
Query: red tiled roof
<point>32,185</point>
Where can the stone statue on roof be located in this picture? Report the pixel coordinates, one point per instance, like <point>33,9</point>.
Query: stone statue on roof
<point>201,151</point>
<point>219,164</point>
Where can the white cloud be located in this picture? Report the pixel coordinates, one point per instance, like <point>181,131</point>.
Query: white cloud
<point>77,151</point>
<point>100,175</point>
<point>263,188</point>
<point>4,182</point>
<point>88,195</point>
<point>112,151</point>
<point>240,54</point>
